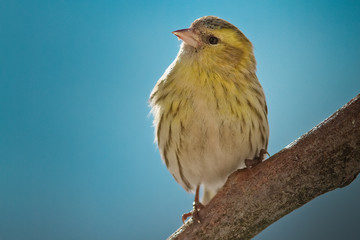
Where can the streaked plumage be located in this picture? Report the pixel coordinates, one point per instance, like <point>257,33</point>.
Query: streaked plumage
<point>209,108</point>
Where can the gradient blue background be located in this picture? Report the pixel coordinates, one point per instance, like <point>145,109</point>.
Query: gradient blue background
<point>77,158</point>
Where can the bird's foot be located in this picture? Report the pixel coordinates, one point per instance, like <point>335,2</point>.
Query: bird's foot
<point>249,163</point>
<point>197,206</point>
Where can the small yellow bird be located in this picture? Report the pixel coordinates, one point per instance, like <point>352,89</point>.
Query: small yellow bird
<point>210,112</point>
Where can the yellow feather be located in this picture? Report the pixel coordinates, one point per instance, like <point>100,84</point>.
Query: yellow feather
<point>209,108</point>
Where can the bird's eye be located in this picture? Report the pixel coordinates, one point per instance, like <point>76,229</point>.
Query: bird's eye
<point>213,40</point>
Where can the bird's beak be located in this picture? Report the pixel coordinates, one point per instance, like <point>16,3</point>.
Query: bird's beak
<point>189,36</point>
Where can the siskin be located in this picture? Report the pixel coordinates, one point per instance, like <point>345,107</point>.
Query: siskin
<point>210,112</point>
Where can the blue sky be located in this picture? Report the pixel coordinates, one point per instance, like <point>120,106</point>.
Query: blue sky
<point>77,158</point>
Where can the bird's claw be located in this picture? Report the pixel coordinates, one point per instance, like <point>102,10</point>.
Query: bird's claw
<point>249,163</point>
<point>197,206</point>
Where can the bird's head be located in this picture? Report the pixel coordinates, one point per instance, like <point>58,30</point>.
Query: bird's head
<point>214,40</point>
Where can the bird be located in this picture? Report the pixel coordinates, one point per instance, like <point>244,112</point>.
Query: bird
<point>209,109</point>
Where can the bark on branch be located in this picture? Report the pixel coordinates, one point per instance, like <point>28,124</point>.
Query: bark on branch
<point>325,158</point>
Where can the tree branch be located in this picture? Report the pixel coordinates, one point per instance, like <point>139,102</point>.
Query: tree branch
<point>325,158</point>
